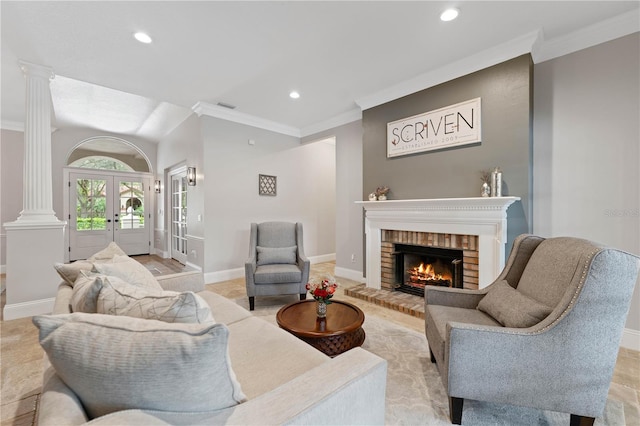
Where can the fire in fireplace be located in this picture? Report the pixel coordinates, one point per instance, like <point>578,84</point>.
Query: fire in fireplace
<point>418,266</point>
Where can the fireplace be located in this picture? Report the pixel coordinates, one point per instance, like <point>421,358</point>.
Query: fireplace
<point>419,266</point>
<point>477,226</point>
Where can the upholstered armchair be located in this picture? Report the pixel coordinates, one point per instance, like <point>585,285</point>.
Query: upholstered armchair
<point>545,334</point>
<point>276,264</point>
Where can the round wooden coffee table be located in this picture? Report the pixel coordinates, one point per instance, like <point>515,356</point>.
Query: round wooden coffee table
<point>340,331</point>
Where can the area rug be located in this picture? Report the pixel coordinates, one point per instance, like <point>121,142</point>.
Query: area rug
<point>415,394</point>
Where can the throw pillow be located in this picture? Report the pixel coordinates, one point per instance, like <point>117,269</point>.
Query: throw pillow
<point>108,252</point>
<point>117,363</point>
<point>119,298</point>
<point>511,308</point>
<point>70,271</point>
<point>272,255</point>
<point>84,297</point>
<point>130,271</point>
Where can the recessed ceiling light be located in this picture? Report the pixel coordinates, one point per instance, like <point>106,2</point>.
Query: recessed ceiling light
<point>294,95</point>
<point>449,14</point>
<point>143,38</point>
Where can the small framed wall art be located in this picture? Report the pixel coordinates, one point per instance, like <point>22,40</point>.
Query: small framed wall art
<point>267,185</point>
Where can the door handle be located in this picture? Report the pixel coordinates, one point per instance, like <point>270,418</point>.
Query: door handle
<point>108,220</point>
<point>115,220</point>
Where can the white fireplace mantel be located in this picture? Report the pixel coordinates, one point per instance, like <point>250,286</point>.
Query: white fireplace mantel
<point>485,217</point>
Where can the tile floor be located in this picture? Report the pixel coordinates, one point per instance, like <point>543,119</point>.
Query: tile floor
<point>21,360</point>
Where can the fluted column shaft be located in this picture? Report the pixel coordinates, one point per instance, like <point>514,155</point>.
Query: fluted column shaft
<point>37,190</point>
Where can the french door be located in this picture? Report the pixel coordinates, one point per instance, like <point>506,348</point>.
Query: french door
<point>179,215</point>
<point>105,207</point>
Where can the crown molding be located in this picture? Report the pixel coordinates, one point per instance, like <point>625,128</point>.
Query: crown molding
<point>16,126</point>
<point>333,122</point>
<point>203,108</point>
<point>601,32</point>
<point>481,60</point>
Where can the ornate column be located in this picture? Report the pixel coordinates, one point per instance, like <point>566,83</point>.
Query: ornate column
<point>35,240</point>
<point>37,190</point>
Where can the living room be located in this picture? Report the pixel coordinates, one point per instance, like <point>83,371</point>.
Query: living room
<point>559,119</point>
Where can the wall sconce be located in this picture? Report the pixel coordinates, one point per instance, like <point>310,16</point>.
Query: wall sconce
<point>157,186</point>
<point>191,176</point>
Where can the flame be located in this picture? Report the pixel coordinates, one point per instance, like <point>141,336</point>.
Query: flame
<point>426,272</point>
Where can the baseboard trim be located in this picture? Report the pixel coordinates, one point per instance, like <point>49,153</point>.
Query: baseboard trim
<point>232,274</point>
<point>331,257</point>
<point>28,309</point>
<point>349,274</point>
<point>163,254</point>
<point>226,275</point>
<point>630,339</point>
<point>194,266</point>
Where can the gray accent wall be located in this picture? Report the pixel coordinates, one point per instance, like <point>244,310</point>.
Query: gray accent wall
<point>587,148</point>
<point>506,95</point>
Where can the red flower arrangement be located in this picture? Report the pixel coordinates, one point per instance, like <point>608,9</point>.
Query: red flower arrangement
<point>323,290</point>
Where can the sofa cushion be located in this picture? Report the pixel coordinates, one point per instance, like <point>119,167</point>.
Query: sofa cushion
<point>285,356</point>
<point>276,255</point>
<point>108,252</point>
<point>120,298</point>
<point>511,308</point>
<point>116,363</point>
<point>224,311</point>
<point>276,234</point>
<point>71,271</point>
<point>130,271</point>
<point>84,296</point>
<point>269,274</point>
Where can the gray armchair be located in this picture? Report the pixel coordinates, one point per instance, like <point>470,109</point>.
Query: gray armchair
<point>545,334</point>
<point>277,264</point>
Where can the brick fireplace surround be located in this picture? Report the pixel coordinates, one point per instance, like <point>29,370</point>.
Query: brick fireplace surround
<point>467,243</point>
<point>478,226</point>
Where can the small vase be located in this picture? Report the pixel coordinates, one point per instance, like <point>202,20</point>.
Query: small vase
<point>486,190</point>
<point>321,309</point>
<point>382,197</point>
<point>372,197</point>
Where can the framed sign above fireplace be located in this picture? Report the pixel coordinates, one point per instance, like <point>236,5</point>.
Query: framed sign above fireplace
<point>446,127</point>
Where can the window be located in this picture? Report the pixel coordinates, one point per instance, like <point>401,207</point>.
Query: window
<point>102,163</point>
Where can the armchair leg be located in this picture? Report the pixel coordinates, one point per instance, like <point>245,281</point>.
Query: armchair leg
<point>433,358</point>
<point>252,303</point>
<point>303,296</point>
<point>455,409</point>
<point>581,420</point>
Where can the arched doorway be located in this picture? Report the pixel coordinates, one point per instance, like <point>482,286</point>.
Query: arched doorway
<point>108,197</point>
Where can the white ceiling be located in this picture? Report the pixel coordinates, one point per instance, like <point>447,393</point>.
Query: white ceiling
<point>340,56</point>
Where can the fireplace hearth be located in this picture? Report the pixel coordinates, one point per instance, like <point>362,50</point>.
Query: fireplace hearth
<point>417,267</point>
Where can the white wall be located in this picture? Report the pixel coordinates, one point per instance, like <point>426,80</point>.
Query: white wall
<point>349,216</point>
<point>587,148</point>
<point>11,165</point>
<point>305,190</point>
<point>183,146</point>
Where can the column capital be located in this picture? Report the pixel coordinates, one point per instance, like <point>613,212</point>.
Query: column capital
<point>36,70</point>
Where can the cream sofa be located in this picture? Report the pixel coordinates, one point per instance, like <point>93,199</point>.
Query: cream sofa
<point>298,385</point>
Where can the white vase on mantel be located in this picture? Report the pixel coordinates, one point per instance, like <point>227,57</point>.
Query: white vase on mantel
<point>382,197</point>
<point>372,197</point>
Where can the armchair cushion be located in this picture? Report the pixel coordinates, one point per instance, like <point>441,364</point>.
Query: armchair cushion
<point>511,308</point>
<point>277,255</point>
<point>269,274</point>
<point>116,363</point>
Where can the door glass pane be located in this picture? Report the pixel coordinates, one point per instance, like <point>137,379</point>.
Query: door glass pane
<point>91,203</point>
<point>131,205</point>
<point>179,214</point>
